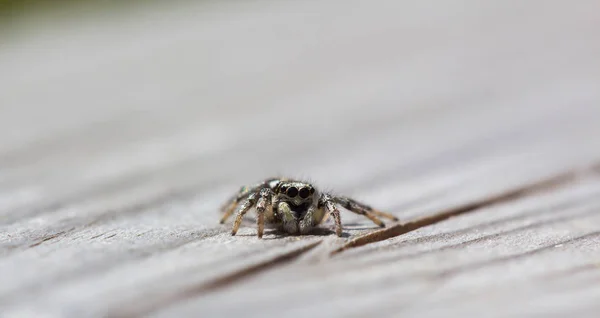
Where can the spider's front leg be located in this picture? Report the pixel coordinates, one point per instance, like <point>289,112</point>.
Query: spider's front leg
<point>262,201</point>
<point>229,207</point>
<point>327,202</point>
<point>249,203</point>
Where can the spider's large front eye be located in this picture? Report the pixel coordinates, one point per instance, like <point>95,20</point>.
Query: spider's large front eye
<point>292,192</point>
<point>304,193</point>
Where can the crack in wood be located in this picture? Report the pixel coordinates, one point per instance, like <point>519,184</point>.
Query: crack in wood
<point>478,265</point>
<point>557,220</point>
<point>566,205</point>
<point>514,194</point>
<point>99,268</point>
<point>97,236</point>
<point>218,283</point>
<point>440,277</point>
<point>130,210</point>
<point>48,238</point>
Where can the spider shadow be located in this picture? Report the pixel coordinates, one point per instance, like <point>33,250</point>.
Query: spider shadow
<point>363,226</point>
<point>279,234</point>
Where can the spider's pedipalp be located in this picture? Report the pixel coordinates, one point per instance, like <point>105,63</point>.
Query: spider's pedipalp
<point>310,220</point>
<point>288,219</point>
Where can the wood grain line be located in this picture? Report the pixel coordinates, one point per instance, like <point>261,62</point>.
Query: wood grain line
<point>557,220</point>
<point>121,184</point>
<point>399,229</point>
<point>568,204</point>
<point>441,276</point>
<point>495,261</point>
<point>169,299</point>
<point>48,238</point>
<point>131,210</point>
<point>104,266</point>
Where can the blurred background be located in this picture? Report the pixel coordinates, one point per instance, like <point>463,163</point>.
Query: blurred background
<point>139,117</point>
<point>105,89</point>
<point>201,74</point>
<point>98,95</point>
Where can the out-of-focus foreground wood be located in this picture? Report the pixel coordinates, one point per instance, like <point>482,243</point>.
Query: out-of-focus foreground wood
<point>476,123</point>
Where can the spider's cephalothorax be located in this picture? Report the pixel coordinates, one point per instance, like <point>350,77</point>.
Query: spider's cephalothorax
<point>295,206</point>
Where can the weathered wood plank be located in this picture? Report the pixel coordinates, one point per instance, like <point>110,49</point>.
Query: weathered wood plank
<point>117,147</point>
<point>441,267</point>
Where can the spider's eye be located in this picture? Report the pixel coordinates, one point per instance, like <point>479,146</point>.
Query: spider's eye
<point>312,190</point>
<point>292,192</point>
<point>282,189</point>
<point>304,193</point>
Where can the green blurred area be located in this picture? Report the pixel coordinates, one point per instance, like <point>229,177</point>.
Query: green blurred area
<point>16,12</point>
<point>20,8</point>
<point>11,9</point>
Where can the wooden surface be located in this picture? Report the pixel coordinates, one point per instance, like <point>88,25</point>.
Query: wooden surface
<point>476,123</point>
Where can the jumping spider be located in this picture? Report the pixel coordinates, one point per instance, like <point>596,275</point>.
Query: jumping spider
<point>295,206</point>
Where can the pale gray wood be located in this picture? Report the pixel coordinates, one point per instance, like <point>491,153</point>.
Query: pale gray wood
<point>478,259</point>
<point>121,134</point>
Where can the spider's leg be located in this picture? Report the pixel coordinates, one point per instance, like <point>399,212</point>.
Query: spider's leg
<point>263,203</point>
<point>327,202</point>
<point>229,207</point>
<point>367,208</point>
<point>228,212</point>
<point>242,210</point>
<point>358,208</point>
<point>385,215</point>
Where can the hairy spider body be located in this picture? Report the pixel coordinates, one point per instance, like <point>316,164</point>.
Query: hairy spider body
<point>295,206</point>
